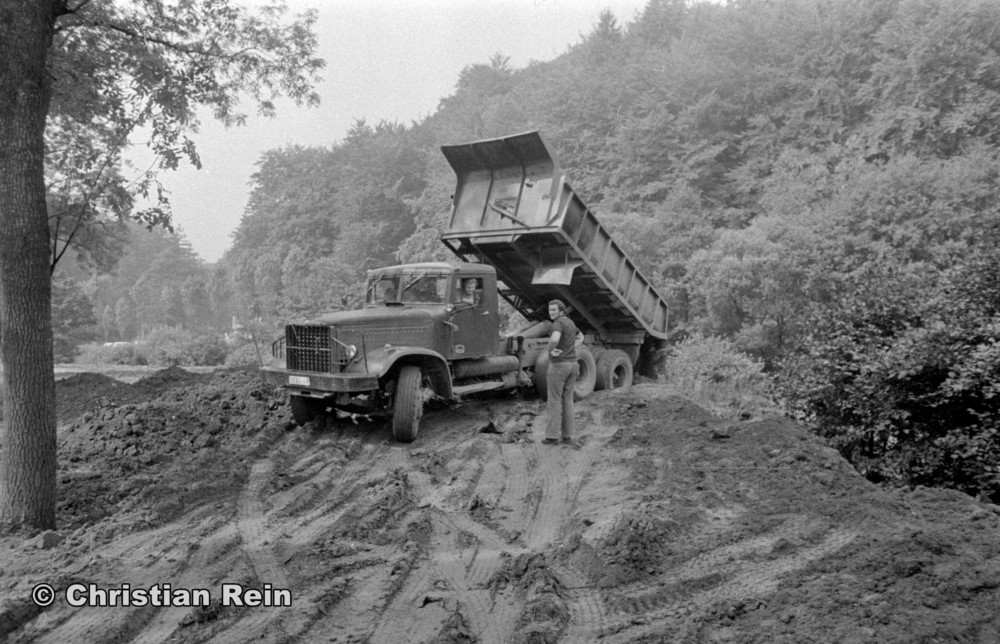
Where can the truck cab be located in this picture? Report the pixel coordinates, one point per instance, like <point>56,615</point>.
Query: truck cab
<point>416,322</point>
<point>461,298</point>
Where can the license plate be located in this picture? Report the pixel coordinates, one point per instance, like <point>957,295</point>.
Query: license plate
<point>301,381</point>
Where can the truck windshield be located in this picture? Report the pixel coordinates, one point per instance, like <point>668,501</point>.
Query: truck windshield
<point>428,289</point>
<point>415,287</point>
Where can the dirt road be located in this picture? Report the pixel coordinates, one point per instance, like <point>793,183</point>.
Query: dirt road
<point>666,525</point>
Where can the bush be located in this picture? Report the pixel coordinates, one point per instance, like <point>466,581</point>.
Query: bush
<point>901,373</point>
<point>167,346</point>
<point>118,353</point>
<point>161,347</point>
<point>713,372</point>
<point>247,355</point>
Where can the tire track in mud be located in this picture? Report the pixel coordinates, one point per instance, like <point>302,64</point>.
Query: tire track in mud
<point>370,509</point>
<point>252,524</point>
<point>568,472</point>
<point>456,489</point>
<point>365,589</point>
<point>715,578</point>
<point>558,477</point>
<point>211,550</point>
<point>483,500</point>
<point>586,604</point>
<point>177,566</point>
<point>449,582</point>
<point>274,533</point>
<point>513,501</point>
<point>518,496</point>
<point>451,577</point>
<point>256,544</point>
<point>328,478</point>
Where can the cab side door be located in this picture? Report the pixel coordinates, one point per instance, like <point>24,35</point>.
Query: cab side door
<point>478,332</point>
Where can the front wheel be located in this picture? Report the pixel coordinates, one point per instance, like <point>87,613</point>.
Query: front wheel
<point>408,406</point>
<point>305,409</point>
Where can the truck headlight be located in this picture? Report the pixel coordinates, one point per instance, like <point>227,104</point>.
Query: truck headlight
<point>351,351</point>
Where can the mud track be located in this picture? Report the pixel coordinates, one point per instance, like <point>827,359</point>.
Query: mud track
<point>665,525</point>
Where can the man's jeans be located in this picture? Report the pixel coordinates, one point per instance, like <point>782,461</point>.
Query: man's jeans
<point>560,380</point>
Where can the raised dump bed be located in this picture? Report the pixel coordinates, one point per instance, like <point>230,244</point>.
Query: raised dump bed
<point>515,210</point>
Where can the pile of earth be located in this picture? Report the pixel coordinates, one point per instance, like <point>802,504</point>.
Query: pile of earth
<point>666,524</point>
<point>758,532</point>
<point>148,450</point>
<point>84,391</point>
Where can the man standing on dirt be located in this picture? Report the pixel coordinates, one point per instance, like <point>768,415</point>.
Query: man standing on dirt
<point>561,376</point>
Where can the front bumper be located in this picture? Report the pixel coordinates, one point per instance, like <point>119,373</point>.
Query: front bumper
<point>319,382</point>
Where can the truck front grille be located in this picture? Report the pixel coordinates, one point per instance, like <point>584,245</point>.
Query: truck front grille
<point>308,348</point>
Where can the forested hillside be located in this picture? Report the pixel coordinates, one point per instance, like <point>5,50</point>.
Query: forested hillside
<point>816,181</point>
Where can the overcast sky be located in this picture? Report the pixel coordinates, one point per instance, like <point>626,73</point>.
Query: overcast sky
<point>386,59</point>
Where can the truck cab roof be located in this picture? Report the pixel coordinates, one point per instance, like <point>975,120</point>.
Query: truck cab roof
<point>457,268</point>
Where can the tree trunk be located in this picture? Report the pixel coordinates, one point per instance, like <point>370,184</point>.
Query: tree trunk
<point>28,438</point>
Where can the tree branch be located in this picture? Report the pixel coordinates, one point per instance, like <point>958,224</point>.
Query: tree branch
<point>212,51</point>
<point>185,49</point>
<point>77,8</point>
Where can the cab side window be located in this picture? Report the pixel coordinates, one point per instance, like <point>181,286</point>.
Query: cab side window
<point>382,290</point>
<point>469,290</point>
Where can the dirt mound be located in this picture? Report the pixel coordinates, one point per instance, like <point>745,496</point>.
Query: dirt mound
<point>81,392</point>
<point>759,532</point>
<point>85,391</point>
<point>151,460</point>
<point>166,379</point>
<point>667,524</point>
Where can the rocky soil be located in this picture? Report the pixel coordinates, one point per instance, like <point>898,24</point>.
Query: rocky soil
<point>665,525</point>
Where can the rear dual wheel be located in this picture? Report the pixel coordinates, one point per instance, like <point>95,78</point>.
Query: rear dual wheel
<point>614,370</point>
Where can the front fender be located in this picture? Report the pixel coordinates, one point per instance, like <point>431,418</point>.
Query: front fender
<point>385,362</point>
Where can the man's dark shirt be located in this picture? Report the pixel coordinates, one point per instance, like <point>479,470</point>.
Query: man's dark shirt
<point>567,339</point>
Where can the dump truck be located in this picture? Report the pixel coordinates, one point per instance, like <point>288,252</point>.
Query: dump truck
<point>519,233</point>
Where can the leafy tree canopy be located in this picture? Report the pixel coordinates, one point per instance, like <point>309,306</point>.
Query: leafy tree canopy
<point>128,72</point>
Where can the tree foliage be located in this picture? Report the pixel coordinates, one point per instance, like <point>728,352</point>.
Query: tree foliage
<point>73,319</point>
<point>319,218</point>
<point>901,373</point>
<point>149,70</point>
